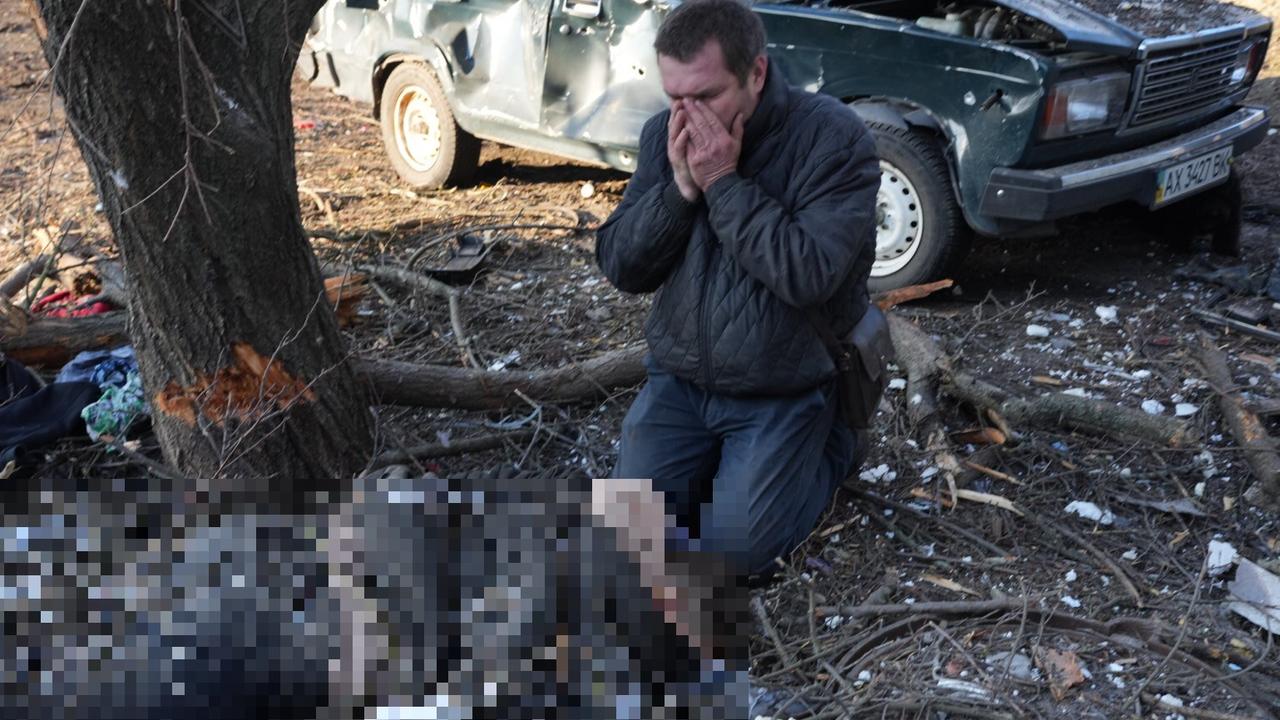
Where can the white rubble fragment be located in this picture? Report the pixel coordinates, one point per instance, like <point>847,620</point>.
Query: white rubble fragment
<point>1221,556</point>
<point>1152,407</point>
<point>1106,313</point>
<point>928,473</point>
<point>1141,374</point>
<point>834,622</point>
<point>1126,473</point>
<point>878,473</point>
<point>1115,668</point>
<point>1257,594</point>
<point>1018,665</point>
<point>897,383</point>
<point>1118,682</point>
<point>1070,601</point>
<point>964,688</point>
<point>1089,511</point>
<point>864,676</point>
<point>1077,392</point>
<point>1071,576</point>
<point>1185,409</point>
<point>1199,489</point>
<point>1039,331</point>
<point>1173,700</point>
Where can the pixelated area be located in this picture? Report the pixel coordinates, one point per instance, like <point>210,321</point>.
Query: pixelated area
<point>396,599</point>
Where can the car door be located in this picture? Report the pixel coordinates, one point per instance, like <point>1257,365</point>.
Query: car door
<point>601,81</point>
<point>496,49</point>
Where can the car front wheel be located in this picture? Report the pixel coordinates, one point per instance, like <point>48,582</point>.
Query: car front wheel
<point>424,143</point>
<point>921,234</point>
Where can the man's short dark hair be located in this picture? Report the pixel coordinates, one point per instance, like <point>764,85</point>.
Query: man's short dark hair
<point>731,23</point>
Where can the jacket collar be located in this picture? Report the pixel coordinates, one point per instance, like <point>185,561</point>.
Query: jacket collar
<point>771,109</point>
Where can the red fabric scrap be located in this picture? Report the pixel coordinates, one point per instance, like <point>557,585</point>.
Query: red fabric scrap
<point>62,304</point>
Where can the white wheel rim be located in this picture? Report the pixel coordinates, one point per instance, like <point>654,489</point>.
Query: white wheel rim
<point>417,129</point>
<point>900,221</point>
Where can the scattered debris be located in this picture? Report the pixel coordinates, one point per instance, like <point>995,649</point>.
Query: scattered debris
<point>1213,318</point>
<point>1257,594</point>
<point>964,688</point>
<point>1089,511</point>
<point>1061,667</point>
<point>1221,556</point>
<point>880,473</point>
<point>1106,313</point>
<point>1181,506</point>
<point>1016,664</point>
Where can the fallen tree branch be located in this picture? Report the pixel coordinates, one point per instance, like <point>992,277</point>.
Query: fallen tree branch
<point>51,342</point>
<point>957,607</point>
<point>1097,417</point>
<point>891,298</point>
<point>1213,318</point>
<point>402,383</point>
<point>928,367</point>
<point>1259,448</point>
<point>22,275</point>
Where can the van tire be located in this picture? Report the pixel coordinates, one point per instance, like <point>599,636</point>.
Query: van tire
<point>423,141</point>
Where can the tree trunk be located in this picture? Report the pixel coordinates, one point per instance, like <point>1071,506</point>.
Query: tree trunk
<point>182,112</point>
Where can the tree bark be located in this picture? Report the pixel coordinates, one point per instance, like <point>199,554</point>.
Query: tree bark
<point>182,112</point>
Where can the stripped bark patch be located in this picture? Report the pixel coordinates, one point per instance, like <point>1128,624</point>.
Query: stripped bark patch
<point>252,387</point>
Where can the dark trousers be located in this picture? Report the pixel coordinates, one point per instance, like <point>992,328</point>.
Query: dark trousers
<point>746,476</point>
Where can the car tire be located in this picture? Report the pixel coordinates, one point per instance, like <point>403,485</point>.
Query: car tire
<point>423,141</point>
<point>1217,213</point>
<point>921,234</point>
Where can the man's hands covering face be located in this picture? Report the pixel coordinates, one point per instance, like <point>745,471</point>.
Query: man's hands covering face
<point>678,151</point>
<point>701,149</point>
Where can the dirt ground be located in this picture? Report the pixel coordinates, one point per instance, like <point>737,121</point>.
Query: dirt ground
<point>1127,601</point>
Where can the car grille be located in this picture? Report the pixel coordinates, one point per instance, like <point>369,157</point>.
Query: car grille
<point>1183,80</point>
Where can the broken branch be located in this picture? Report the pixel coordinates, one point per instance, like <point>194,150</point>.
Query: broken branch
<point>431,285</point>
<point>402,383</point>
<point>1259,448</point>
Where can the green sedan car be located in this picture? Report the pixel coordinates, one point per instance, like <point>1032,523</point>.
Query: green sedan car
<point>993,118</point>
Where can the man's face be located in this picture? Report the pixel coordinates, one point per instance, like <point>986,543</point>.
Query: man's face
<point>706,77</point>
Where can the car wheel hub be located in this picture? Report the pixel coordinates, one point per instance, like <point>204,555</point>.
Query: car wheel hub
<point>899,221</point>
<point>417,126</point>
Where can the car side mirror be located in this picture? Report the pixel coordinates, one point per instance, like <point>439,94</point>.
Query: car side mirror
<point>587,9</point>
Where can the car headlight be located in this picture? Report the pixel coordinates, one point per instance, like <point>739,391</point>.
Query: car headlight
<point>1248,62</point>
<point>1080,106</point>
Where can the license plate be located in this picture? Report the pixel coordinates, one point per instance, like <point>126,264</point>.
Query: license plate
<point>1195,174</point>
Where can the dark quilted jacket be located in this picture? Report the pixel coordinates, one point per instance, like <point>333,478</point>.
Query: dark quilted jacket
<point>794,228</point>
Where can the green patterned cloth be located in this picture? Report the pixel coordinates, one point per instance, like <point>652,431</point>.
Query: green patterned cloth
<point>117,409</point>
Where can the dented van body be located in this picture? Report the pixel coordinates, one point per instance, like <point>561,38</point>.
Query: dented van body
<point>1042,108</point>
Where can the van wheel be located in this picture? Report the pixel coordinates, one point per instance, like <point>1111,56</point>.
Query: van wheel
<point>921,234</point>
<point>424,143</point>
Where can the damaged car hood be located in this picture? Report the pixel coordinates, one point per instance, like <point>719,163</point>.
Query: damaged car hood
<point>1082,29</point>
